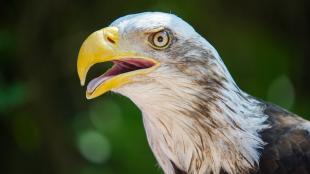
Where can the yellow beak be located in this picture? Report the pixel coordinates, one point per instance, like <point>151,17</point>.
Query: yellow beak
<point>103,46</point>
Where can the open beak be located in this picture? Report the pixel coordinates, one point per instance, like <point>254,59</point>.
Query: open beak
<point>103,46</point>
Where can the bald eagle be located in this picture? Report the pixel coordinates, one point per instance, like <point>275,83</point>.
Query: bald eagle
<point>197,120</point>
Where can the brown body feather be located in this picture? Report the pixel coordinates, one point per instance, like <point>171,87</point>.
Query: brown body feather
<point>288,144</point>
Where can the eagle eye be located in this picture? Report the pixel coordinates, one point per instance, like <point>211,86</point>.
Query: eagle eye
<point>159,40</point>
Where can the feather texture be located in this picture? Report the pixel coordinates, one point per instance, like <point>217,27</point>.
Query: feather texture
<point>288,140</point>
<point>196,118</point>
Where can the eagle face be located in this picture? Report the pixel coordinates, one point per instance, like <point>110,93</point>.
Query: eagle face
<point>149,51</point>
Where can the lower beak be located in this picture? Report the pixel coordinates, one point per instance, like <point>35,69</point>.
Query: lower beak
<point>103,46</point>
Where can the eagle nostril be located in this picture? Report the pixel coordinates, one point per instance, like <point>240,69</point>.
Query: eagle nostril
<point>110,40</point>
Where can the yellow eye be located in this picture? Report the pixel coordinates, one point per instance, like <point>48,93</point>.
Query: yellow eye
<point>160,39</point>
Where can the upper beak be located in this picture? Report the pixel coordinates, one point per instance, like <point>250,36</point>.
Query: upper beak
<point>102,46</point>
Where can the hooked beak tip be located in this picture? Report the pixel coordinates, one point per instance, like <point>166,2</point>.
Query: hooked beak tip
<point>82,82</point>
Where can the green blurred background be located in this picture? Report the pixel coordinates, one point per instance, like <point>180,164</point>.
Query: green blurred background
<point>46,124</point>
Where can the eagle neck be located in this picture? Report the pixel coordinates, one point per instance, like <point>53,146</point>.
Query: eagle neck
<point>221,133</point>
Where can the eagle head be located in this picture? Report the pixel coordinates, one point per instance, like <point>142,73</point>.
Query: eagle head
<point>151,52</point>
<point>196,118</point>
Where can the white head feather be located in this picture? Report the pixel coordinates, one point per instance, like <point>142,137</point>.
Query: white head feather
<point>196,118</point>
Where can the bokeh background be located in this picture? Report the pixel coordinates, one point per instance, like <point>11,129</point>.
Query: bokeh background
<point>46,124</point>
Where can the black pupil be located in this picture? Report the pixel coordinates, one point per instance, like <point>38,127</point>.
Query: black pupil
<point>160,39</point>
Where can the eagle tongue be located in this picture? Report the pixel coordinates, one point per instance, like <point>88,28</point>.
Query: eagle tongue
<point>113,71</point>
<point>93,84</point>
